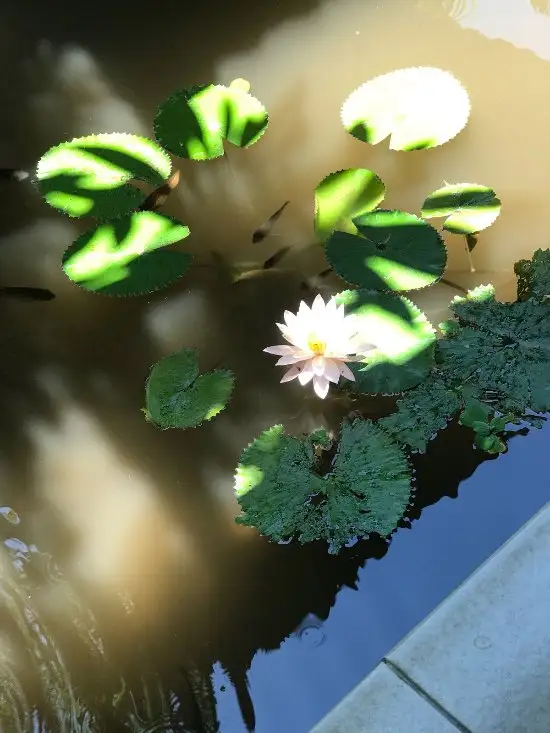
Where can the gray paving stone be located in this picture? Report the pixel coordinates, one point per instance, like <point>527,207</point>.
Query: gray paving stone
<point>382,703</point>
<point>484,654</point>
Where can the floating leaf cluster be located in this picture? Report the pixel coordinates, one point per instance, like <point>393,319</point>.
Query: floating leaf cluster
<point>488,368</point>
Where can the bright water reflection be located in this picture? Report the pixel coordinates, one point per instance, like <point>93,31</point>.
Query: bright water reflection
<point>156,583</point>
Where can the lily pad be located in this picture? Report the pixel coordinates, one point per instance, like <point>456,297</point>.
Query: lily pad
<point>89,176</point>
<point>501,348</point>
<point>177,396</point>
<point>393,251</point>
<point>194,122</point>
<point>421,413</point>
<point>534,276</point>
<point>343,195</point>
<point>402,334</point>
<point>282,491</point>
<point>468,207</point>
<point>416,107</point>
<point>119,257</point>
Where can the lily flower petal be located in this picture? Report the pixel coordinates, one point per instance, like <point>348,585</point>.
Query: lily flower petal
<point>318,365</point>
<point>303,310</point>
<point>292,359</point>
<point>321,385</point>
<point>346,372</point>
<point>280,350</point>
<point>292,373</point>
<point>305,376</point>
<point>320,340</point>
<point>318,307</point>
<point>332,371</point>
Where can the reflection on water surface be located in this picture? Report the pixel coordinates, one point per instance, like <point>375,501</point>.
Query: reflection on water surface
<point>129,598</point>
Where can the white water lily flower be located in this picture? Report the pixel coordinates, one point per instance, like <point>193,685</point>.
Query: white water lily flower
<point>321,340</point>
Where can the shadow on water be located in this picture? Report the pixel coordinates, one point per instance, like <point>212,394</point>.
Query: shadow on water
<point>141,521</point>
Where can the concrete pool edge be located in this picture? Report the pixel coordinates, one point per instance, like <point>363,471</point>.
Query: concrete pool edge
<point>478,663</point>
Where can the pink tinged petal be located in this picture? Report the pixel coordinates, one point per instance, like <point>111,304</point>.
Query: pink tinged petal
<point>280,350</point>
<point>318,365</point>
<point>332,371</point>
<point>321,385</point>
<point>346,372</point>
<point>306,375</point>
<point>286,360</point>
<point>292,373</point>
<point>292,359</point>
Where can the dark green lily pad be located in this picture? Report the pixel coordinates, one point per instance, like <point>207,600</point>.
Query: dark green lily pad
<point>393,251</point>
<point>404,338</point>
<point>194,122</point>
<point>90,176</point>
<point>121,257</point>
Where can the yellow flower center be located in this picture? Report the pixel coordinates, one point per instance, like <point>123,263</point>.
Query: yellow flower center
<point>315,344</point>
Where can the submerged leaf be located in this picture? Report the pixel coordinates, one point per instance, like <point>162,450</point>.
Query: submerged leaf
<point>421,413</point>
<point>490,443</point>
<point>393,251</point>
<point>121,257</point>
<point>90,176</point>
<point>534,276</point>
<point>176,396</point>
<point>402,334</point>
<point>194,122</point>
<point>477,415</point>
<point>468,207</point>
<point>419,107</point>
<point>280,493</point>
<point>343,195</point>
<point>474,412</point>
<point>503,348</point>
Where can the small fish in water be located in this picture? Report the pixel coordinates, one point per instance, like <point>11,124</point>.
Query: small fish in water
<point>12,174</point>
<point>23,293</point>
<point>265,230</point>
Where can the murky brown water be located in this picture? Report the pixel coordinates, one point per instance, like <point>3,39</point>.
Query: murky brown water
<point>141,521</point>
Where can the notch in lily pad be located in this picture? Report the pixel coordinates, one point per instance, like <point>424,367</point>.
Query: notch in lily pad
<point>90,176</point>
<point>194,122</point>
<point>343,195</point>
<point>393,251</point>
<point>404,338</point>
<point>468,208</point>
<point>178,396</point>
<point>125,256</point>
<point>416,108</point>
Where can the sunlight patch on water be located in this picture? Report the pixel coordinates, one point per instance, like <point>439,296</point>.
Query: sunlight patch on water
<point>503,146</point>
<point>74,87</point>
<point>515,21</point>
<point>105,502</point>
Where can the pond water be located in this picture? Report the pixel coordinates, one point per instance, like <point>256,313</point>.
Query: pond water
<point>129,580</point>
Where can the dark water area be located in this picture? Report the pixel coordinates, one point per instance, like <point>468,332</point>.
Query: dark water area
<point>127,592</point>
<point>479,506</point>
